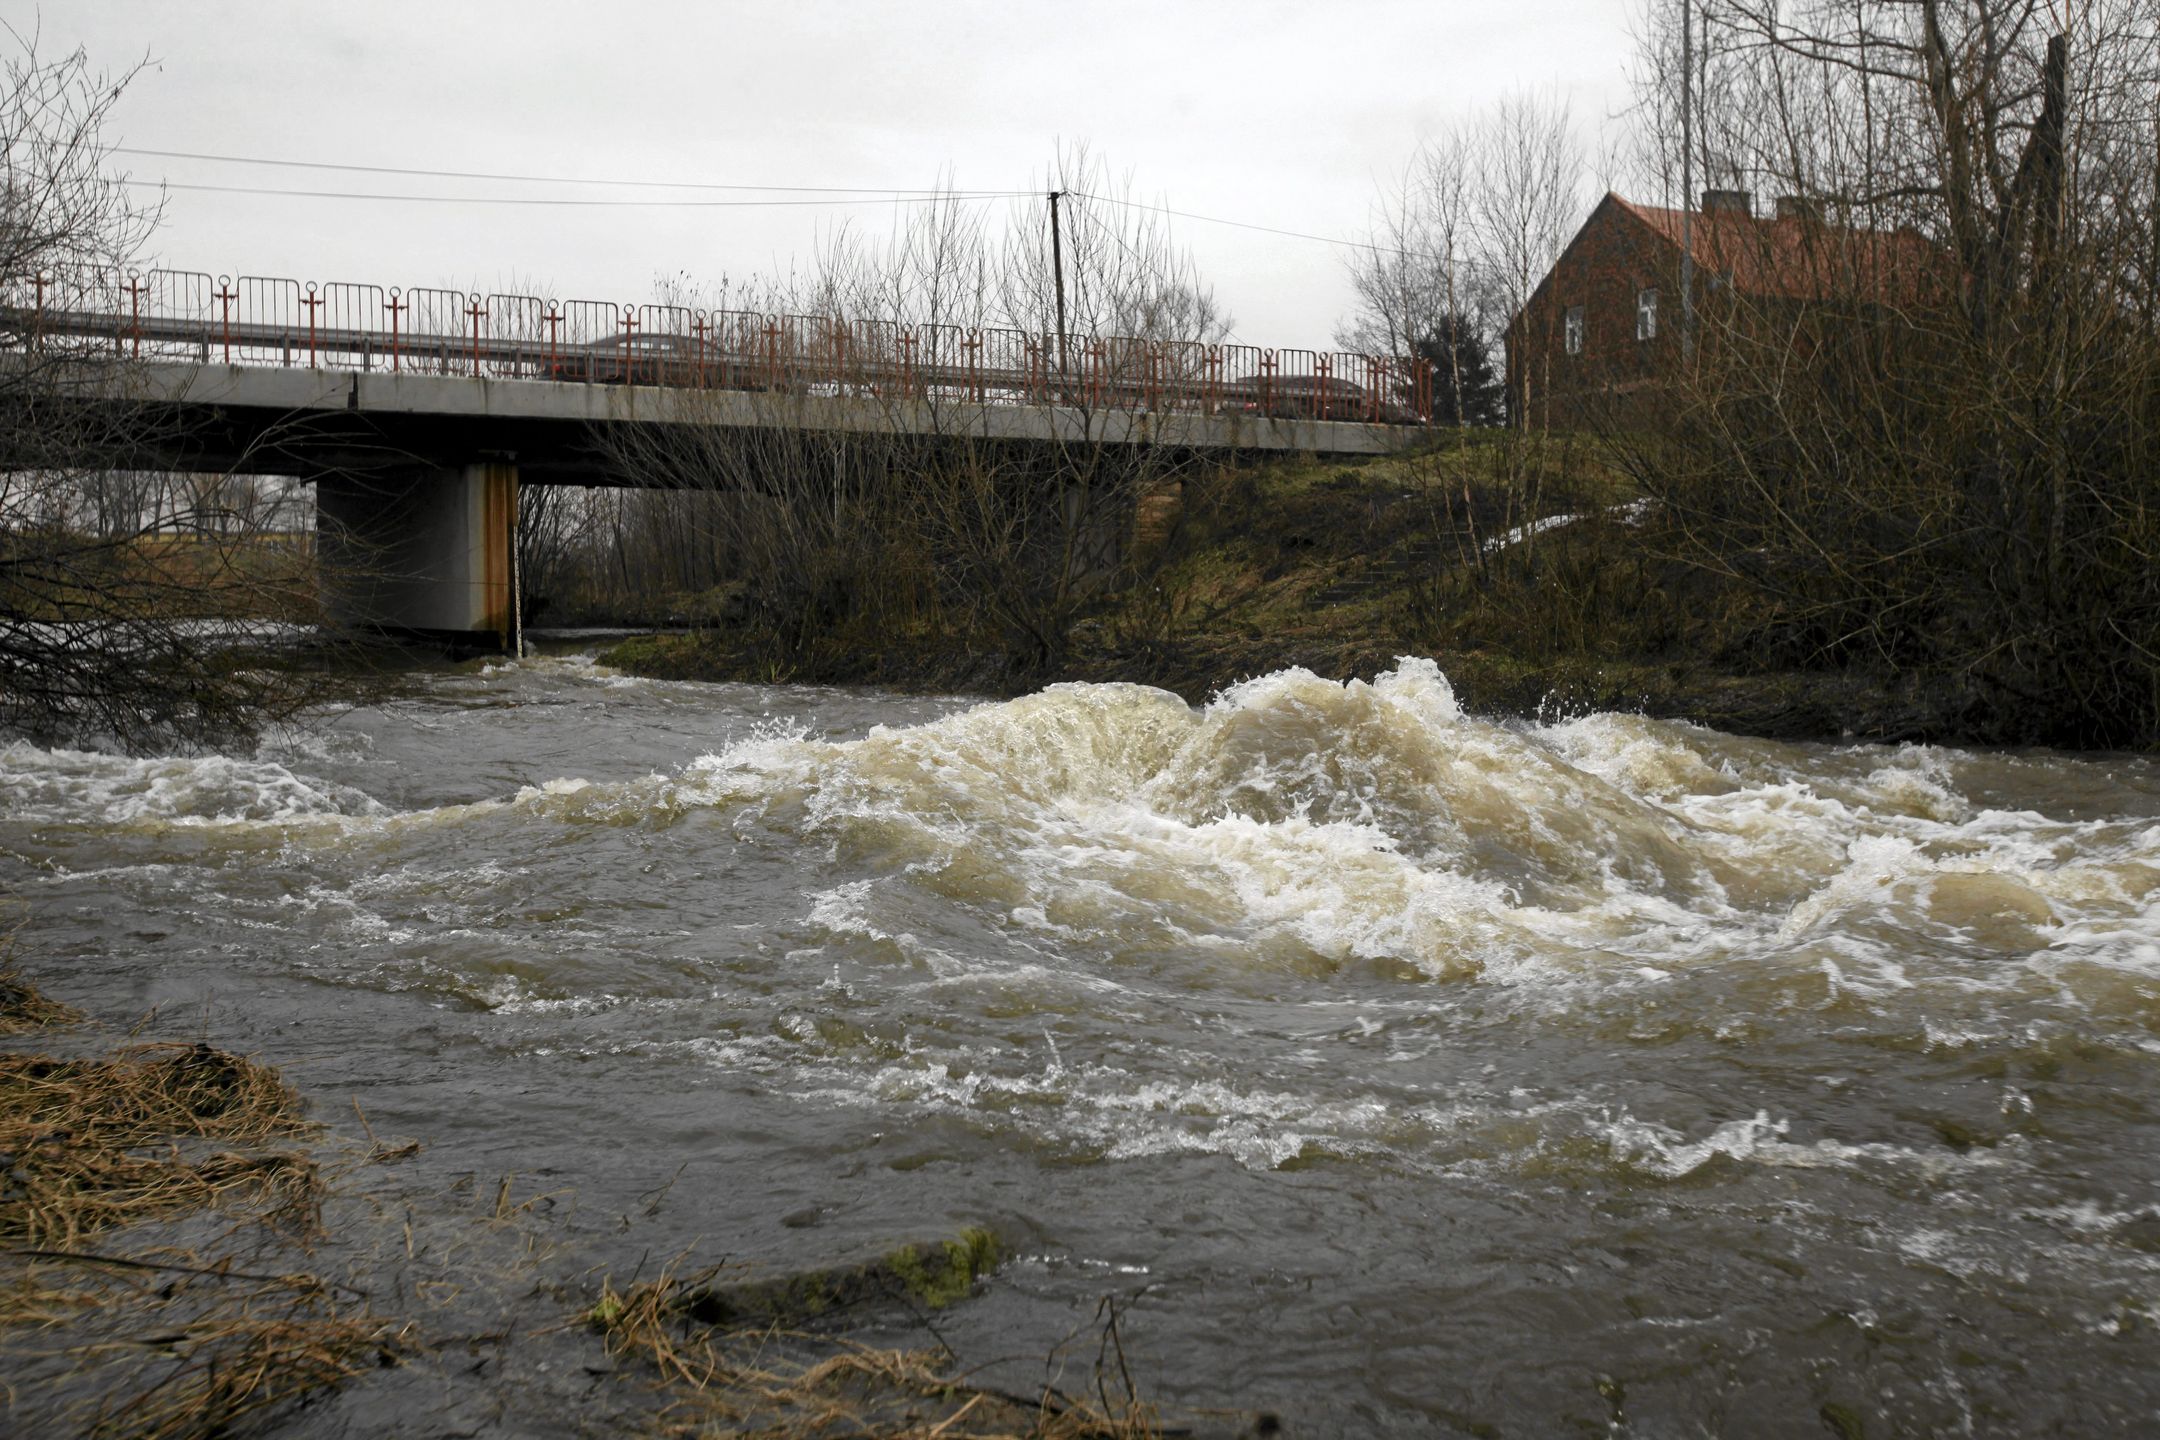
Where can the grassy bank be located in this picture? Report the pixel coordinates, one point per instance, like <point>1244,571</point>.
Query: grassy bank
<point>1535,574</point>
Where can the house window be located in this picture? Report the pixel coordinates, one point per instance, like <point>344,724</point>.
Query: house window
<point>1574,330</point>
<point>1646,315</point>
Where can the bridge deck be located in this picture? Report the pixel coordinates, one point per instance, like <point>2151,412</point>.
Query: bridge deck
<point>545,421</point>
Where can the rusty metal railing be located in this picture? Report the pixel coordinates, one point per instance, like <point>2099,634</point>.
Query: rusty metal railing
<point>255,320</point>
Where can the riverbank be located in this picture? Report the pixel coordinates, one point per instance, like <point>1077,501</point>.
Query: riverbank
<point>193,1252</point>
<point>1540,581</point>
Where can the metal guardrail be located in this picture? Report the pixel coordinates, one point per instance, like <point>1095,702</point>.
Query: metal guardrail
<point>256,320</point>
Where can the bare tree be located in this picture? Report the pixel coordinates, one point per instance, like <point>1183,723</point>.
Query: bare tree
<point>1422,270</point>
<point>1467,231</point>
<point>1530,172</point>
<point>124,590</point>
<point>1930,441</point>
<point>927,522</point>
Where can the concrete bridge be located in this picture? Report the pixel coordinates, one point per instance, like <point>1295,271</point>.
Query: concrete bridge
<point>417,414</point>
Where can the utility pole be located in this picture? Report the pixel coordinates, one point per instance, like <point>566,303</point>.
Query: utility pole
<point>1057,269</point>
<point>1687,180</point>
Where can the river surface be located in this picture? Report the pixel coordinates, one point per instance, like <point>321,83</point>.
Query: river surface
<point>1406,1073</point>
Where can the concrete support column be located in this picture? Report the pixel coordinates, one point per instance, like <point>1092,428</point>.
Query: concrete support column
<point>423,552</point>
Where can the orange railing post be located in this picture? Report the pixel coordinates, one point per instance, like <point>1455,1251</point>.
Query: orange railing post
<point>225,297</point>
<point>478,312</point>
<point>394,305</point>
<point>313,303</point>
<point>135,290</point>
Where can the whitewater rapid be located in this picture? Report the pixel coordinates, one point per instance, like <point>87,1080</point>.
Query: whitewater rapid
<point>1528,996</point>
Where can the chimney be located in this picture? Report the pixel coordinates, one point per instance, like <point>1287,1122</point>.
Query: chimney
<point>1800,207</point>
<point>1728,202</point>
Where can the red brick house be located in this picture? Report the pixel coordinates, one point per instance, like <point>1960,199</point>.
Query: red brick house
<point>1604,327</point>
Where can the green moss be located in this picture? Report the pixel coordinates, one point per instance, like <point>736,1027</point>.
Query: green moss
<point>940,1276</point>
<point>812,1294</point>
<point>1843,1421</point>
<point>646,654</point>
<point>932,1274</point>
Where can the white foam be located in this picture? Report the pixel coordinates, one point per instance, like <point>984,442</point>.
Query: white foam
<point>92,788</point>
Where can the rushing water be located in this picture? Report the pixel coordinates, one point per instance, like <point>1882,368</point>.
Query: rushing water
<point>1412,1073</point>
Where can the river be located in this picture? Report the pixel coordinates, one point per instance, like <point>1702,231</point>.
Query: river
<point>1407,1073</point>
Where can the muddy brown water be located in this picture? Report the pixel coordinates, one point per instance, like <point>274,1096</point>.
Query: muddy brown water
<point>1405,1073</point>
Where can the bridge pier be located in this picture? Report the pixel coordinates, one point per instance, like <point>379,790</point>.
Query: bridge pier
<point>425,552</point>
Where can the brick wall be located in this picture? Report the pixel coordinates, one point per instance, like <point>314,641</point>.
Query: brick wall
<point>1610,261</point>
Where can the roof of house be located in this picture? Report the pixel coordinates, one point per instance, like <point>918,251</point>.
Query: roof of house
<point>1799,258</point>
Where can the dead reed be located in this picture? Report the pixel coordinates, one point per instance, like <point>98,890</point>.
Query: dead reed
<point>57,1192</point>
<point>176,1346</point>
<point>795,1385</point>
<point>93,1144</point>
<point>234,1365</point>
<point>23,1008</point>
<point>147,1092</point>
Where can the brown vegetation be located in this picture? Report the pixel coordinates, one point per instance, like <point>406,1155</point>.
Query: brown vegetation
<point>255,1350</point>
<point>118,1321</point>
<point>93,1143</point>
<point>1958,482</point>
<point>728,1376</point>
<point>23,1007</point>
<point>1341,567</point>
<point>179,1344</point>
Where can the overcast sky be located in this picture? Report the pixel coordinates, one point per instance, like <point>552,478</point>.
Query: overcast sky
<point>1280,114</point>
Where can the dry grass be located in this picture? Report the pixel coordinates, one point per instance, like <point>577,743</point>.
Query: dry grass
<point>789,1385</point>
<point>58,1193</point>
<point>147,1092</point>
<point>163,1344</point>
<point>165,1349</point>
<point>23,1008</point>
<point>171,1344</point>
<point>232,1366</point>
<point>93,1142</point>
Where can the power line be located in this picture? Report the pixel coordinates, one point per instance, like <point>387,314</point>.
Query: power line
<point>525,179</point>
<point>879,194</point>
<point>842,195</point>
<point>883,194</point>
<point>880,199</point>
<point>1245,225</point>
<point>1153,267</point>
<point>1434,256</point>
